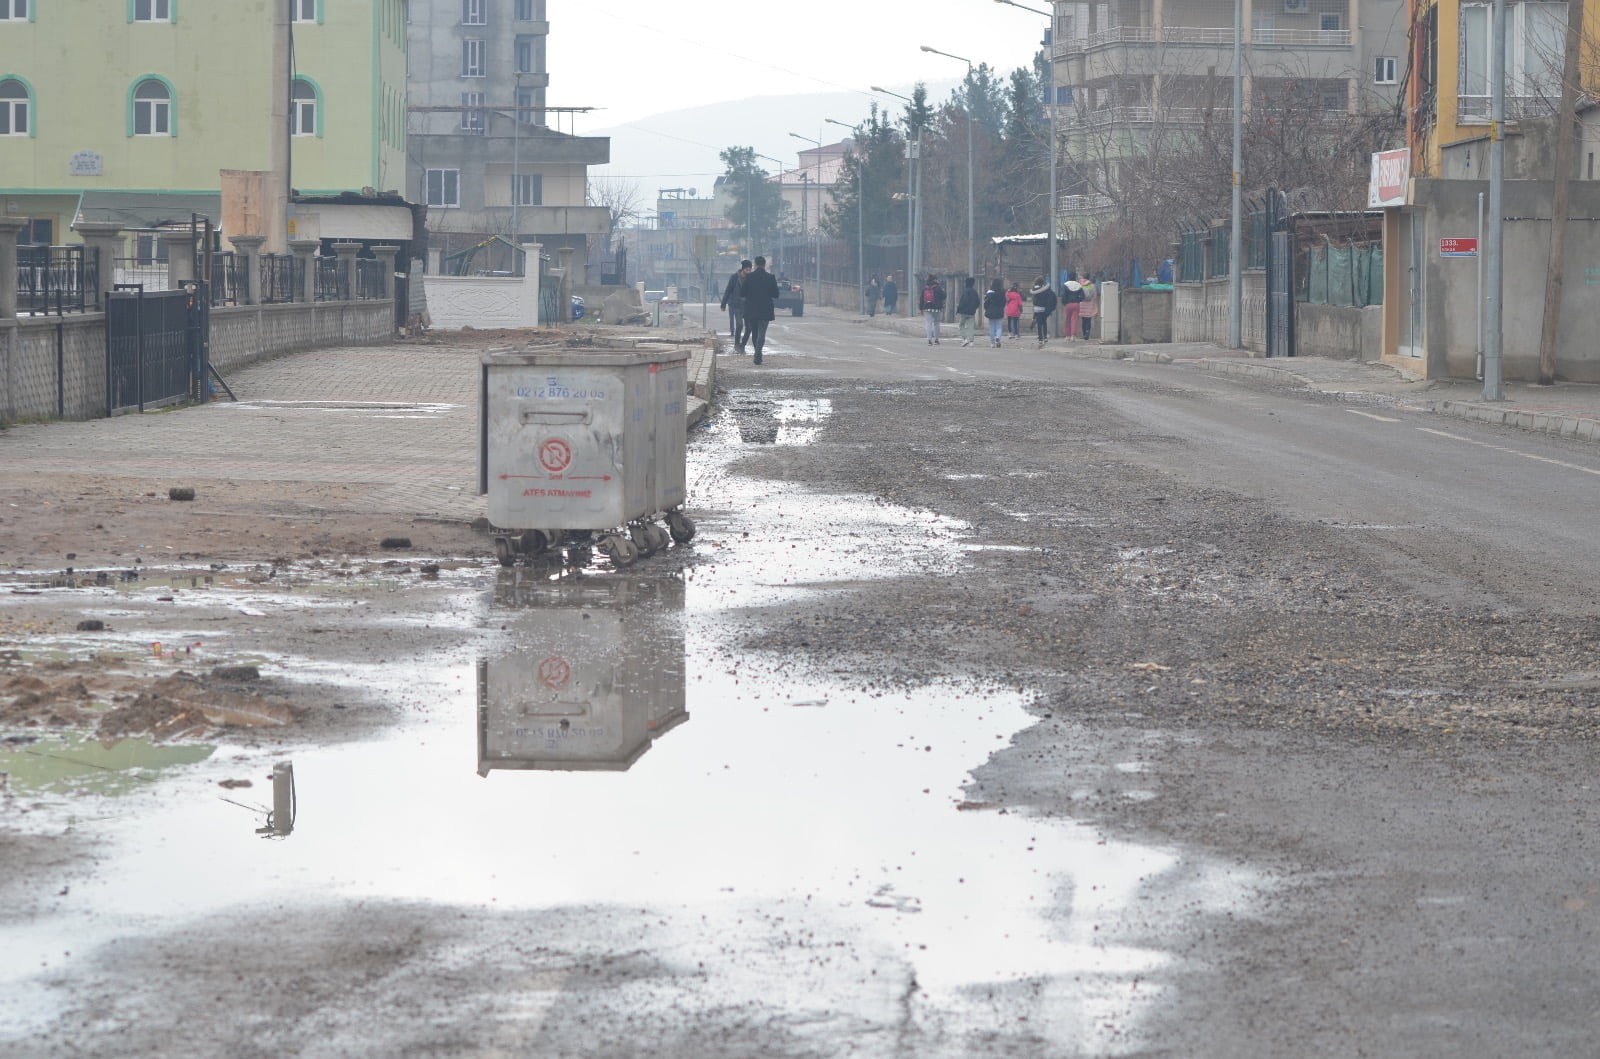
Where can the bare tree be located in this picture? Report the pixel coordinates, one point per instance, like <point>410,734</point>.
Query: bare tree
<point>621,197</point>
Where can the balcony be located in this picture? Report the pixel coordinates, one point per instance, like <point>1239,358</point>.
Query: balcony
<point>1474,110</point>
<point>1203,35</point>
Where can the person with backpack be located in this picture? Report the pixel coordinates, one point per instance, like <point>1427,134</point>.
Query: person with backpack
<point>967,311</point>
<point>994,310</point>
<point>1071,303</point>
<point>932,304</point>
<point>1013,310</point>
<point>1044,303</point>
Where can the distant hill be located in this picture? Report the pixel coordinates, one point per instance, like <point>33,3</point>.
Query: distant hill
<point>680,148</point>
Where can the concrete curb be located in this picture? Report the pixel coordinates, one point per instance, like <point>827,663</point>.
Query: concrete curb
<point>1252,369</point>
<point>1561,424</point>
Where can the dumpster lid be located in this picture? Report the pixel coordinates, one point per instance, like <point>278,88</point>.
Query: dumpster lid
<point>569,357</point>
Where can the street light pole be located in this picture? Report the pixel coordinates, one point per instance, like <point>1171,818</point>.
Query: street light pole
<point>1236,241</point>
<point>913,205</point>
<point>1050,109</point>
<point>817,222</point>
<point>972,244</point>
<point>861,208</point>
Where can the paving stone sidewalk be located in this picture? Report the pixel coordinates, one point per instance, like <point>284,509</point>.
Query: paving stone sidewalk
<point>397,422</point>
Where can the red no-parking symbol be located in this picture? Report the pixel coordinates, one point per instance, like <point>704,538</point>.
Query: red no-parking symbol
<point>554,673</point>
<point>555,455</point>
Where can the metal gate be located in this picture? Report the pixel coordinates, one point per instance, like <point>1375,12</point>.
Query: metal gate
<point>1280,276</point>
<point>155,347</point>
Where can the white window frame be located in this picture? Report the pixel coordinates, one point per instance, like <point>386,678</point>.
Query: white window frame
<point>305,11</point>
<point>474,57</point>
<point>1532,74</point>
<point>527,189</point>
<point>302,109</point>
<point>474,12</point>
<point>152,10</point>
<point>17,111</point>
<point>1387,71</point>
<point>154,114</point>
<point>472,116</point>
<point>448,183</point>
<point>13,10</point>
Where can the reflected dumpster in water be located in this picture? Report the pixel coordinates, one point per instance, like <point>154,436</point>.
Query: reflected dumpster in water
<point>597,672</point>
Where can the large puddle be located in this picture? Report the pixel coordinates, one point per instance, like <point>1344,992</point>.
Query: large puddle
<point>604,752</point>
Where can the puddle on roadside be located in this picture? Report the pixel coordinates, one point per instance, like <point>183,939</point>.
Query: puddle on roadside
<point>60,763</point>
<point>532,780</point>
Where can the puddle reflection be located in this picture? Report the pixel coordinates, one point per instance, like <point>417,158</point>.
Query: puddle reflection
<point>596,674</point>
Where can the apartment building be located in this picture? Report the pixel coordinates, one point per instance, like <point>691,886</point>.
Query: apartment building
<point>130,110</point>
<point>485,152</point>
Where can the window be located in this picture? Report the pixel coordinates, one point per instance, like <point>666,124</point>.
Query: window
<point>472,64</point>
<point>472,111</point>
<point>444,188</point>
<point>474,13</point>
<point>152,10</point>
<point>527,189</point>
<point>524,55</point>
<point>13,10</point>
<point>149,249</point>
<point>527,99</point>
<point>1535,41</point>
<point>1385,74</point>
<point>305,10</point>
<point>1329,21</point>
<point>303,108</point>
<point>14,108</point>
<point>530,10</point>
<point>152,108</point>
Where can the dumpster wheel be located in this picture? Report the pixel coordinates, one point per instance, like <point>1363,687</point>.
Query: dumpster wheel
<point>681,527</point>
<point>504,551</point>
<point>619,550</point>
<point>643,537</point>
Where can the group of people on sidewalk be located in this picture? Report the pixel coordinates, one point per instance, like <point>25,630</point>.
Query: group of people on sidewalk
<point>750,299</point>
<point>1002,308</point>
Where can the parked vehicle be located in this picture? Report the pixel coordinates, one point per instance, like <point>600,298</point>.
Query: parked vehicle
<point>791,296</point>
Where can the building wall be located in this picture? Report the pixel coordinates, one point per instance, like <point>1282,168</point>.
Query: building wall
<point>362,141</point>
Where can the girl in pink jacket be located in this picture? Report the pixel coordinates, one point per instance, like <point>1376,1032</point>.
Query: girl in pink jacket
<point>1013,310</point>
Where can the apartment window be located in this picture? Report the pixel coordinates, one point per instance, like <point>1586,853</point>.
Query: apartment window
<point>14,108</point>
<point>1330,21</point>
<point>530,10</point>
<point>472,58</point>
<point>152,108</point>
<point>523,53</point>
<point>152,10</point>
<point>472,111</point>
<point>527,99</point>
<point>474,12</point>
<point>1386,72</point>
<point>149,249</point>
<point>303,108</point>
<point>13,10</point>
<point>305,10</point>
<point>444,188</point>
<point>527,189</point>
<point>1535,41</point>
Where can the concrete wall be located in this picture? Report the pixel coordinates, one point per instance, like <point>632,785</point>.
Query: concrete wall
<point>38,382</point>
<point>483,301</point>
<point>1146,315</point>
<point>1450,288</point>
<point>1338,331</point>
<point>1202,312</point>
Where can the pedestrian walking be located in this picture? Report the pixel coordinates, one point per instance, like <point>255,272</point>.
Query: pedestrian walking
<point>871,294</point>
<point>994,310</point>
<point>1013,310</point>
<point>1044,303</point>
<point>760,298</point>
<point>1089,308</point>
<point>932,303</point>
<point>1071,304</point>
<point>967,311</point>
<point>891,296</point>
<point>733,302</point>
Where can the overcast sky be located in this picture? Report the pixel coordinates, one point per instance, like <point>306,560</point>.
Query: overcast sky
<point>635,59</point>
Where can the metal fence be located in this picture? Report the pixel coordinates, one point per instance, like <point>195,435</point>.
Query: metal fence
<point>369,279</point>
<point>56,280</point>
<point>1351,274</point>
<point>282,278</point>
<point>332,283</point>
<point>228,279</point>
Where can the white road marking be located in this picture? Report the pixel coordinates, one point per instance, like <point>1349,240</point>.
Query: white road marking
<point>958,371</point>
<point>1371,415</point>
<point>1510,451</point>
<point>880,349</point>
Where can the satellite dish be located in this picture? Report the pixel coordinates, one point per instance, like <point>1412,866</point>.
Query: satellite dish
<point>694,193</point>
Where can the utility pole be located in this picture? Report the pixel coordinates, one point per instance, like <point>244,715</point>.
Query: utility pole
<point>972,245</point>
<point>1236,239</point>
<point>861,206</point>
<point>1493,387</point>
<point>913,204</point>
<point>1560,202</point>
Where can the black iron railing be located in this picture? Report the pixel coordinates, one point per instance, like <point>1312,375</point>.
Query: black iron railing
<point>282,278</point>
<point>333,285</point>
<point>56,280</point>
<point>369,278</point>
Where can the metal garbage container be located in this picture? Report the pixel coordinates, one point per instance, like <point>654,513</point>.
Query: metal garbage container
<point>574,447</point>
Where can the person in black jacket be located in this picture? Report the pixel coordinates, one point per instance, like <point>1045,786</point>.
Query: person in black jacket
<point>994,310</point>
<point>733,301</point>
<point>1044,303</point>
<point>760,298</point>
<point>967,311</point>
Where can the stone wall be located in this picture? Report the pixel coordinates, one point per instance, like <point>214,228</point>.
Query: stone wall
<point>1201,312</point>
<point>244,334</point>
<point>53,366</point>
<point>455,302</point>
<point>1145,315</point>
<point>1338,330</point>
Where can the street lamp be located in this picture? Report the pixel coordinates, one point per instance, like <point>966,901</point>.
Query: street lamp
<point>972,245</point>
<point>913,203</point>
<point>817,222</point>
<point>1050,67</point>
<point>861,207</point>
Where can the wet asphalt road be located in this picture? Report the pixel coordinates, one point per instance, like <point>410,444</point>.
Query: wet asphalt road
<point>1007,704</point>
